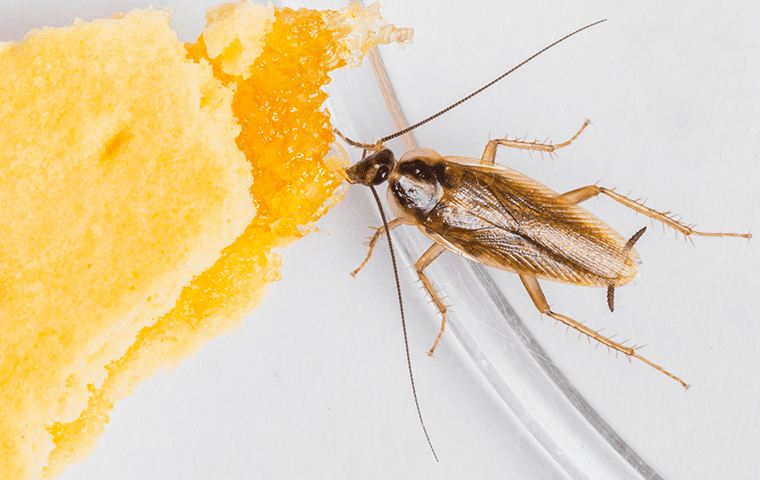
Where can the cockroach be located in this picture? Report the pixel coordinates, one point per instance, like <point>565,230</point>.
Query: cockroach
<point>496,216</point>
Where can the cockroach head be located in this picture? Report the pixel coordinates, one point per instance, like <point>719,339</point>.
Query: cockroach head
<point>373,169</point>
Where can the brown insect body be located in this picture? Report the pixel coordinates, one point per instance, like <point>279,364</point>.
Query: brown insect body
<point>498,217</point>
<point>501,218</point>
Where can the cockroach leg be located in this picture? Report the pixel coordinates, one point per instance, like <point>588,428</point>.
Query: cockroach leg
<point>539,300</point>
<point>489,154</point>
<point>377,236</point>
<point>581,194</point>
<point>426,259</point>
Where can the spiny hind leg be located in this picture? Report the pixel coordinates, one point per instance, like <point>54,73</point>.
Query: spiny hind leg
<point>377,236</point>
<point>582,194</point>
<point>539,300</point>
<point>426,259</point>
<point>489,154</point>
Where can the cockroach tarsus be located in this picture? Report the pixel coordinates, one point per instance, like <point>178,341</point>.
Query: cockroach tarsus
<point>498,217</point>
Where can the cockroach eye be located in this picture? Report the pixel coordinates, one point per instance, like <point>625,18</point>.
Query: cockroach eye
<point>384,161</point>
<point>382,174</point>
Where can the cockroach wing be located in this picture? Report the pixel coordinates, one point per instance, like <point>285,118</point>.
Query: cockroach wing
<point>498,217</point>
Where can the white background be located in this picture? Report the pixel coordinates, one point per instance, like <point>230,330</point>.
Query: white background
<point>314,385</point>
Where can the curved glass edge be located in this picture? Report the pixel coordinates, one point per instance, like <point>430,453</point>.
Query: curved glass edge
<point>532,397</point>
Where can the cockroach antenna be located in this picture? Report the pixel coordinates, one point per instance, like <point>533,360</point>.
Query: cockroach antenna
<point>377,171</point>
<point>403,320</point>
<point>379,144</point>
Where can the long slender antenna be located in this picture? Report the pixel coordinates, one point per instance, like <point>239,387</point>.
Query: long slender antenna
<point>403,319</point>
<point>418,124</point>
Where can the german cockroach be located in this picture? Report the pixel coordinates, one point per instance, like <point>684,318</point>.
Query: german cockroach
<point>495,216</point>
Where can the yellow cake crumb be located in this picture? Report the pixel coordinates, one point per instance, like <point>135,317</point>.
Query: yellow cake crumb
<point>113,199</point>
<point>236,32</point>
<point>131,169</point>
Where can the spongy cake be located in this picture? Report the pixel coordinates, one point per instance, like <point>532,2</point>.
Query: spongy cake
<point>113,199</point>
<point>128,229</point>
